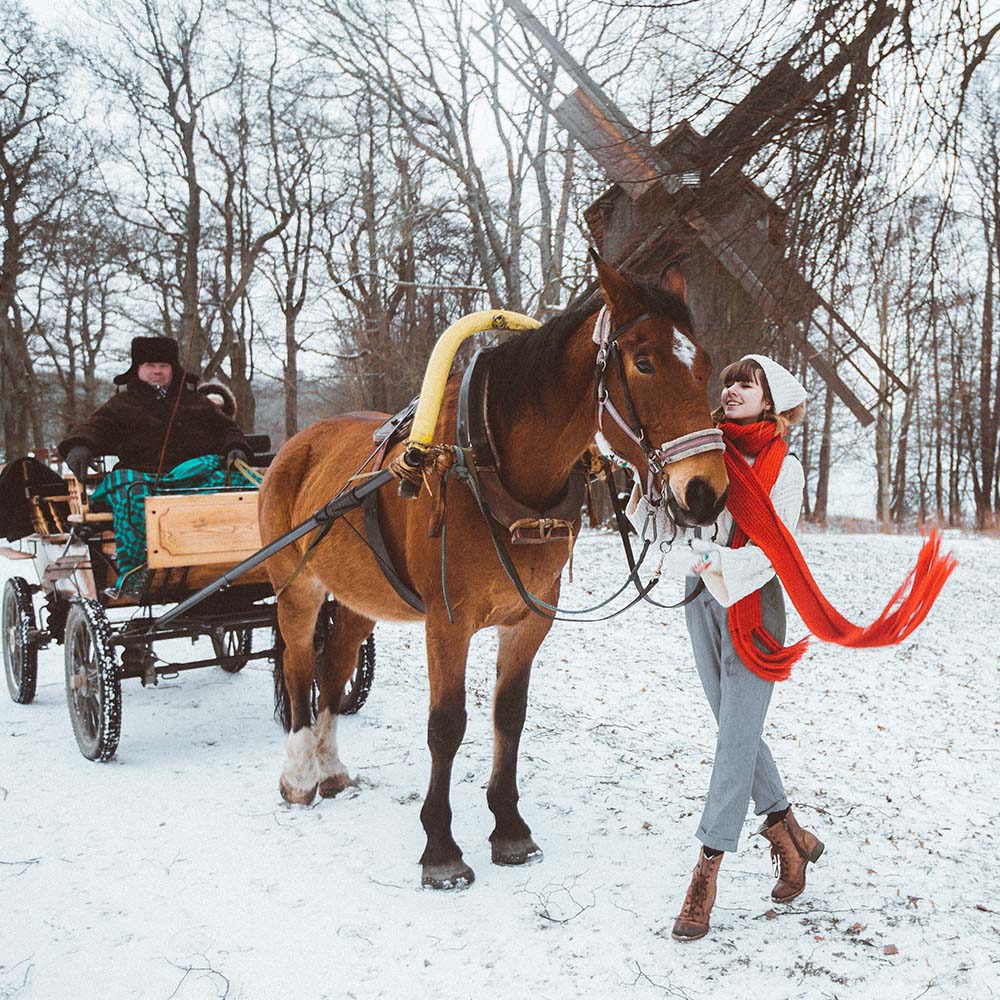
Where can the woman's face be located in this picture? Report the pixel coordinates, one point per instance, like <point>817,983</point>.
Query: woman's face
<point>743,402</point>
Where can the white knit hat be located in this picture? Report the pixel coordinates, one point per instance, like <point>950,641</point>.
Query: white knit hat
<point>786,390</point>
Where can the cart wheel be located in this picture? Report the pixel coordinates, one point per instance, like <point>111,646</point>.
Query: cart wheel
<point>20,654</point>
<point>357,688</point>
<point>235,642</point>
<point>93,684</point>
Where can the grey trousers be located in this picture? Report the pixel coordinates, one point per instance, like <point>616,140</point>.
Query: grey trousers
<point>743,767</point>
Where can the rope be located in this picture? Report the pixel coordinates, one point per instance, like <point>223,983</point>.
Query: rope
<point>248,472</point>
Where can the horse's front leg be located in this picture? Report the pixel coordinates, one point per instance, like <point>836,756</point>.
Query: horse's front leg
<point>298,607</point>
<point>447,649</point>
<point>511,838</point>
<point>337,663</point>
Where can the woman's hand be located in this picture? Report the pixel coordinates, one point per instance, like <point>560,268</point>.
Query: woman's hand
<point>707,556</point>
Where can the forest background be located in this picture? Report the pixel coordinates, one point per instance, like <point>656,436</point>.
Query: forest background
<point>306,194</point>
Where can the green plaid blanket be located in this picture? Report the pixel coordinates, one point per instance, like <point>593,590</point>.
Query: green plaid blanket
<point>124,490</point>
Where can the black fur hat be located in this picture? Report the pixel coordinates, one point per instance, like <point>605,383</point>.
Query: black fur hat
<point>222,392</point>
<point>154,349</point>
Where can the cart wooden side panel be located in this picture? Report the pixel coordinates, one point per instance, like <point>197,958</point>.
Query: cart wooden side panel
<point>207,533</point>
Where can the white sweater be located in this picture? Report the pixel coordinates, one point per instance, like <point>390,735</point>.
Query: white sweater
<point>743,570</point>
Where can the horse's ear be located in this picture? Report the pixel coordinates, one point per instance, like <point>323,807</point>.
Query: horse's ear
<point>671,280</point>
<point>612,283</point>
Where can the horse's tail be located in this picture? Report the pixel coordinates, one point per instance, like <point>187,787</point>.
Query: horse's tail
<point>282,706</point>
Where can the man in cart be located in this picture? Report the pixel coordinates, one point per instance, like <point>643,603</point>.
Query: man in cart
<point>167,436</point>
<point>157,422</point>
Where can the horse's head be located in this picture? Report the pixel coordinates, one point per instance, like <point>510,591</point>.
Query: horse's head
<point>653,377</point>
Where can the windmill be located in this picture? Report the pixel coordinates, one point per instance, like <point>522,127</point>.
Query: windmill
<point>687,199</point>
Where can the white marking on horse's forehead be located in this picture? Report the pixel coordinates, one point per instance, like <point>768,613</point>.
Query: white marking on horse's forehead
<point>684,349</point>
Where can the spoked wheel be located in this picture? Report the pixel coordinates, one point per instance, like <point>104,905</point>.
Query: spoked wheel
<point>235,642</point>
<point>93,683</point>
<point>20,653</point>
<point>357,688</point>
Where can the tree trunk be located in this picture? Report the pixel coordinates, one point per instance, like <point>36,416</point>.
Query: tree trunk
<point>291,379</point>
<point>883,425</point>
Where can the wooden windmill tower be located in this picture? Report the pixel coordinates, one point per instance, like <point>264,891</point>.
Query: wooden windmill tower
<point>687,199</point>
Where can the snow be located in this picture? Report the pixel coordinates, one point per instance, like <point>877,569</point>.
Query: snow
<point>176,871</point>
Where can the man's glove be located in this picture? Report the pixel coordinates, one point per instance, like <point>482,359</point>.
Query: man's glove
<point>78,459</point>
<point>236,455</point>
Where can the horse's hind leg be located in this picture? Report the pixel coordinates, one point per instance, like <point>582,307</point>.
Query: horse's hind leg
<point>511,838</point>
<point>447,649</point>
<point>337,664</point>
<point>298,607</point>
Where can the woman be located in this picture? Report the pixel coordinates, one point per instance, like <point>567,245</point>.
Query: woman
<point>760,399</point>
<point>222,396</point>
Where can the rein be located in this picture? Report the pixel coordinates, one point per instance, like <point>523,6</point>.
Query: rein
<point>465,468</point>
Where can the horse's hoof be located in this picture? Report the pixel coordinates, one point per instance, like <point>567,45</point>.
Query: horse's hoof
<point>296,796</point>
<point>523,851</point>
<point>456,875</point>
<point>335,784</point>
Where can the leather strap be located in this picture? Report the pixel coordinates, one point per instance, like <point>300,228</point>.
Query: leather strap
<point>373,527</point>
<point>376,542</point>
<point>472,436</point>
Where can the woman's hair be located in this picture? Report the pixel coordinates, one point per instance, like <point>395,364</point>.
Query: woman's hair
<point>748,370</point>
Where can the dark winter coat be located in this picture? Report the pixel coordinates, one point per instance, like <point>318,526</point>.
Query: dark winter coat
<point>133,423</point>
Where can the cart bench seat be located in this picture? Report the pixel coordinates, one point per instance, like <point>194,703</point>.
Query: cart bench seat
<point>88,517</point>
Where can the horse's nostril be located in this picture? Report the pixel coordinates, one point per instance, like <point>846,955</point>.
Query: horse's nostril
<point>703,503</point>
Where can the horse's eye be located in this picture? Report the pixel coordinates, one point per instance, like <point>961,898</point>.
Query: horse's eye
<point>645,366</point>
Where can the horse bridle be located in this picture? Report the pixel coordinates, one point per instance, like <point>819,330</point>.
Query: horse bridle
<point>657,458</point>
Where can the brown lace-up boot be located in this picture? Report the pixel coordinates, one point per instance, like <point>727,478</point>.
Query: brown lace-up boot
<point>693,920</point>
<point>792,848</point>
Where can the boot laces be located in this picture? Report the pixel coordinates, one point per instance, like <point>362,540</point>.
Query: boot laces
<point>697,894</point>
<point>780,858</point>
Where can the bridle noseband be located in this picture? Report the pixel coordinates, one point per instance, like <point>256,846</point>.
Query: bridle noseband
<point>657,459</point>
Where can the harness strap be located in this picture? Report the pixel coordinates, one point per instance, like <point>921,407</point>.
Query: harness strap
<point>535,604</point>
<point>376,542</point>
<point>373,536</point>
<point>527,526</point>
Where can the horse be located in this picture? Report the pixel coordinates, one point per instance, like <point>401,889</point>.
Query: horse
<point>542,416</point>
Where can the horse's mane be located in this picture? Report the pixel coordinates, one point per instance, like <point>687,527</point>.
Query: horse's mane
<point>523,367</point>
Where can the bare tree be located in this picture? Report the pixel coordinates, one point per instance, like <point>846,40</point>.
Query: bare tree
<point>154,60</point>
<point>983,422</point>
<point>236,240</point>
<point>79,293</point>
<point>439,86</point>
<point>36,169</point>
<point>302,142</point>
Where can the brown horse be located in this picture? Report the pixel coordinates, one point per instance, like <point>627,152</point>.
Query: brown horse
<point>542,417</point>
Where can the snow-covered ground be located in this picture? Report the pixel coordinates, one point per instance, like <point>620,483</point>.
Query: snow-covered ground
<point>176,871</point>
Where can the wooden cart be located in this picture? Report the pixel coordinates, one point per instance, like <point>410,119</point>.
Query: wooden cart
<point>192,539</point>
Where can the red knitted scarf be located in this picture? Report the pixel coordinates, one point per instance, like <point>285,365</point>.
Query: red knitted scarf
<point>756,520</point>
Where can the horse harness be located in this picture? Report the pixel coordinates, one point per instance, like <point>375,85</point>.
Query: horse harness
<point>478,464</point>
<point>472,431</point>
